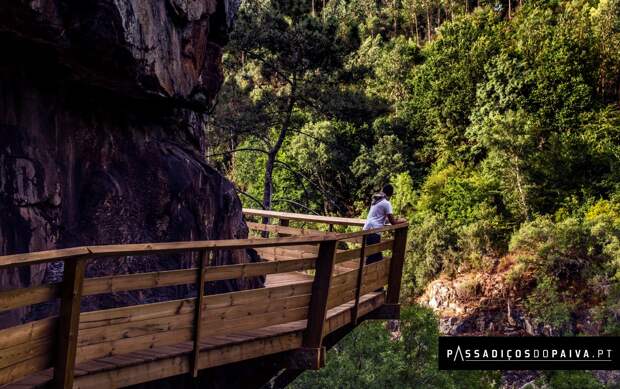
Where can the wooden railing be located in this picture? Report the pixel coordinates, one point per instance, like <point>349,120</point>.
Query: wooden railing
<point>73,337</point>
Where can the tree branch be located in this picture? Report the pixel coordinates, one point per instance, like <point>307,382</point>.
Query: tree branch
<point>326,195</point>
<point>257,201</point>
<point>238,150</point>
<point>297,204</point>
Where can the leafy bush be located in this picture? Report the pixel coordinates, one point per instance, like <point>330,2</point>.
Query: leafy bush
<point>432,248</point>
<point>564,249</point>
<point>369,358</point>
<point>482,240</point>
<point>603,219</point>
<point>582,249</point>
<point>572,379</point>
<point>608,312</point>
<point>546,306</point>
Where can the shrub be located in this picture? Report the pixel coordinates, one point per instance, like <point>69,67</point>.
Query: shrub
<point>482,240</point>
<point>432,248</point>
<point>562,249</point>
<point>546,306</point>
<point>572,379</point>
<point>608,313</point>
<point>369,357</point>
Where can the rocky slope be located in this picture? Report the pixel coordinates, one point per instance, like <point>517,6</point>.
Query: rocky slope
<point>489,304</point>
<point>102,105</point>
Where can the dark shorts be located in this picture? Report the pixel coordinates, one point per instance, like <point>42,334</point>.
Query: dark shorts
<point>373,239</point>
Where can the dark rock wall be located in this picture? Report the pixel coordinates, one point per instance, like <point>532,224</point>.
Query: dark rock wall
<point>101,133</point>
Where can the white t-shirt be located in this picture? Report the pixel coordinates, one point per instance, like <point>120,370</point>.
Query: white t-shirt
<point>377,216</point>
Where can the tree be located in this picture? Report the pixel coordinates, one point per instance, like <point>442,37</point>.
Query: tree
<point>283,54</point>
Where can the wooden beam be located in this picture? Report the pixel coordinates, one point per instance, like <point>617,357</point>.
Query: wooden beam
<point>307,218</point>
<point>396,265</point>
<point>294,231</point>
<point>360,278</point>
<point>313,336</point>
<point>12,336</point>
<point>126,282</point>
<point>284,230</point>
<point>348,255</point>
<point>15,298</point>
<point>200,287</point>
<point>69,321</point>
<point>71,254</point>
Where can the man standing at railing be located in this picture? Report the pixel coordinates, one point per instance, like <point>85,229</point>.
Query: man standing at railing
<point>379,215</point>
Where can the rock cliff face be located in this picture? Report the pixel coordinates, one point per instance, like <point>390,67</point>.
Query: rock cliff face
<point>101,141</point>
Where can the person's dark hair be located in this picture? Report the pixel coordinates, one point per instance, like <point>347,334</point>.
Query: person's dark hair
<point>388,190</point>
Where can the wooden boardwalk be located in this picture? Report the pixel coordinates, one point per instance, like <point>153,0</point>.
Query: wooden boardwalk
<point>314,286</point>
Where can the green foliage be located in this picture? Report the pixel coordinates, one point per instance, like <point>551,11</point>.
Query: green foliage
<point>547,307</point>
<point>456,225</point>
<point>375,167</point>
<point>579,249</point>
<point>564,249</point>
<point>459,195</point>
<point>444,86</point>
<point>369,357</point>
<point>573,248</point>
<point>432,248</point>
<point>537,114</point>
<point>405,195</point>
<point>571,379</point>
<point>500,135</point>
<point>608,312</point>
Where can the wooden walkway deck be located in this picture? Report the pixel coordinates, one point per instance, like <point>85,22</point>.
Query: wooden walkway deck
<point>314,287</point>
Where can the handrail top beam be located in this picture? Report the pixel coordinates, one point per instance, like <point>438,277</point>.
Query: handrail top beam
<point>303,217</point>
<point>172,247</point>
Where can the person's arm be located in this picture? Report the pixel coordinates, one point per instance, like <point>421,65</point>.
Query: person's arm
<point>394,220</point>
<point>390,215</point>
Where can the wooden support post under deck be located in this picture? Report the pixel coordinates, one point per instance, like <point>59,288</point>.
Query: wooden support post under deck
<point>396,265</point>
<point>284,223</point>
<point>313,336</point>
<point>200,298</point>
<point>69,321</point>
<point>360,276</point>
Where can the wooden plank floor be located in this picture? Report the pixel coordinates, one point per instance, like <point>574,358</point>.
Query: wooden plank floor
<point>161,362</point>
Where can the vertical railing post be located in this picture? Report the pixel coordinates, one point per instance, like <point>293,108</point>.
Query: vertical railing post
<point>312,352</point>
<point>396,265</point>
<point>198,316</point>
<point>265,233</point>
<point>69,321</point>
<point>360,277</point>
<point>284,223</point>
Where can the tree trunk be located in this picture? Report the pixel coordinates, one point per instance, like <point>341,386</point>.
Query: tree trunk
<point>273,154</point>
<point>417,33</point>
<point>428,24</point>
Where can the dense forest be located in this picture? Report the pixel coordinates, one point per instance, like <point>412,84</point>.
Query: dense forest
<point>497,123</point>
